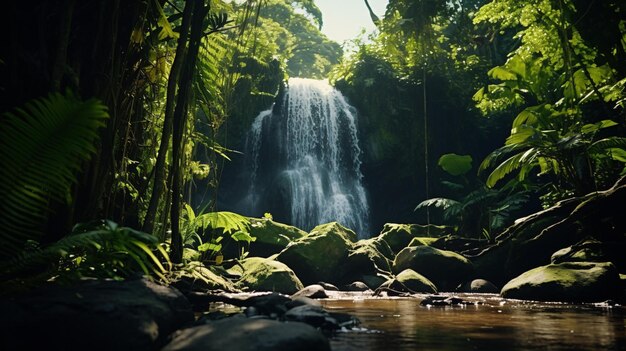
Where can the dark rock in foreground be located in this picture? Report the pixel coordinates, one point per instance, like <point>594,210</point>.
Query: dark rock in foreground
<point>570,282</point>
<point>243,334</point>
<point>94,315</point>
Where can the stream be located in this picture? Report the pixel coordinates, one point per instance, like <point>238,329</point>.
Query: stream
<point>492,323</point>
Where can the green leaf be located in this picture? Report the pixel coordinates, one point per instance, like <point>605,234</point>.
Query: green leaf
<point>520,134</point>
<point>242,236</point>
<point>166,28</point>
<point>512,163</point>
<point>618,154</point>
<point>455,164</point>
<point>229,222</point>
<point>438,202</point>
<point>42,147</point>
<point>502,73</point>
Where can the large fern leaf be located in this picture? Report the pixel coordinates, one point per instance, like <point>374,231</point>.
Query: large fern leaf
<point>42,146</point>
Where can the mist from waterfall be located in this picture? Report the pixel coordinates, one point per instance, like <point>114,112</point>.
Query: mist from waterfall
<point>304,159</point>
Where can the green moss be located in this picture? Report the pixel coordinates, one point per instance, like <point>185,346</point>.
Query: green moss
<point>399,236</point>
<point>569,281</point>
<point>196,276</point>
<point>421,241</point>
<point>271,237</point>
<point>262,274</point>
<point>446,269</point>
<point>336,229</point>
<point>415,282</point>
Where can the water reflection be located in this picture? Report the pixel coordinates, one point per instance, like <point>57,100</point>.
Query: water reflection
<point>496,324</point>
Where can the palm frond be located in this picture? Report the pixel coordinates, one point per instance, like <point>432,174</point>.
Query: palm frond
<point>607,143</point>
<point>438,202</point>
<point>42,147</point>
<point>512,163</point>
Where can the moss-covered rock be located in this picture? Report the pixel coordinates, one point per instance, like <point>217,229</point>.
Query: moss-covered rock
<point>479,286</point>
<point>410,281</point>
<point>569,281</point>
<point>446,269</point>
<point>365,261</point>
<point>197,277</point>
<point>271,237</point>
<point>398,236</point>
<point>262,274</point>
<point>320,255</point>
<point>422,241</point>
<point>336,229</point>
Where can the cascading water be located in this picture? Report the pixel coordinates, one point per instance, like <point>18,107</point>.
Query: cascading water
<point>304,159</point>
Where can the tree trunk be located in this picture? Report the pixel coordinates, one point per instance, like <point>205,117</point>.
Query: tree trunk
<point>168,120</point>
<point>180,117</point>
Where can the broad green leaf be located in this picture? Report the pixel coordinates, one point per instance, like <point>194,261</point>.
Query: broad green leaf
<point>618,154</point>
<point>455,164</point>
<point>520,134</point>
<point>242,236</point>
<point>501,73</point>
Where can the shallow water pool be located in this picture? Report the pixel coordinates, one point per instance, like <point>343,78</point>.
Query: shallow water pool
<point>492,323</point>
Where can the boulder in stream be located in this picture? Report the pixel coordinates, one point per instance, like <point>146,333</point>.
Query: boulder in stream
<point>410,281</point>
<point>568,282</point>
<point>446,269</point>
<point>398,236</point>
<point>320,255</point>
<point>481,286</point>
<point>271,237</point>
<point>244,334</point>
<point>263,274</point>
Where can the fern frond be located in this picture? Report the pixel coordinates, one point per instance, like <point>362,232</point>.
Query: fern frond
<point>229,222</point>
<point>512,163</point>
<point>42,147</point>
<point>110,242</point>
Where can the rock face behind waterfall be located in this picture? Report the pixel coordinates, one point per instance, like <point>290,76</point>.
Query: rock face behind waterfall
<point>304,162</point>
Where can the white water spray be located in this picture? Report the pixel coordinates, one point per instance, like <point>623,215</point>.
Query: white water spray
<point>304,159</point>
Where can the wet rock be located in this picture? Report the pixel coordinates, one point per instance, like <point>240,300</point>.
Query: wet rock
<point>588,250</point>
<point>374,281</point>
<point>244,334</point>
<point>320,255</point>
<point>479,286</point>
<point>328,286</point>
<point>366,260</point>
<point>312,315</point>
<point>357,286</point>
<point>93,315</point>
<point>301,300</point>
<point>314,291</point>
<point>457,243</point>
<point>262,274</point>
<point>442,301</point>
<point>410,281</point>
<point>569,281</point>
<point>398,236</point>
<point>196,277</point>
<point>271,237</point>
<point>269,304</point>
<point>446,269</point>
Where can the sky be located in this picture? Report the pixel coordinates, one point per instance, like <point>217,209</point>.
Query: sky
<point>343,19</point>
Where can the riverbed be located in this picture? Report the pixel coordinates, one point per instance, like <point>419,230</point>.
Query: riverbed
<point>487,323</point>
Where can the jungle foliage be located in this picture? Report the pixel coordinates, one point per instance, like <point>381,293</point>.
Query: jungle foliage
<point>460,73</point>
<point>113,110</point>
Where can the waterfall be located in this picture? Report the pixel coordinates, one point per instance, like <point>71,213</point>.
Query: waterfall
<point>303,159</point>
